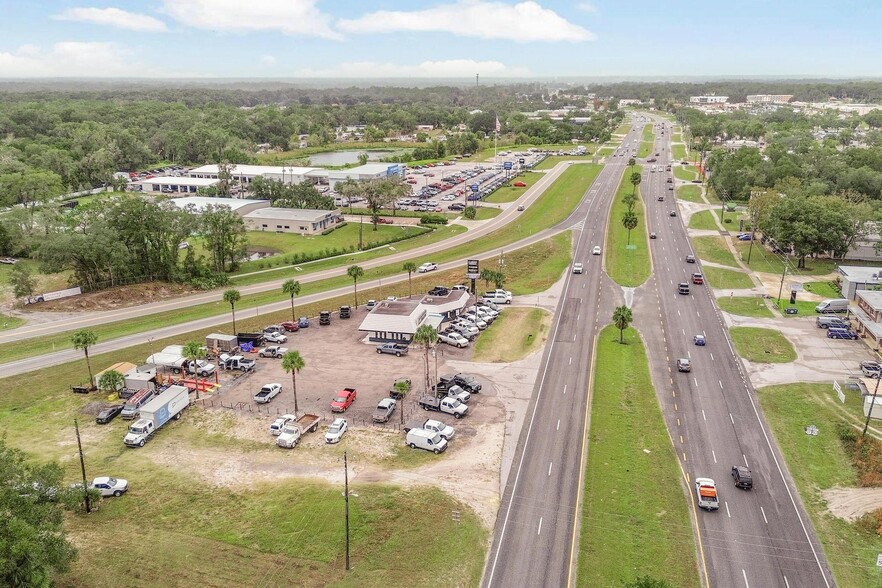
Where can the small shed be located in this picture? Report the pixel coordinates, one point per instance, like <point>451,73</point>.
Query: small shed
<point>218,342</point>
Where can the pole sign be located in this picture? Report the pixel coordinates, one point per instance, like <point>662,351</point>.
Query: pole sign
<point>474,187</point>
<point>522,161</point>
<point>472,271</point>
<point>506,165</point>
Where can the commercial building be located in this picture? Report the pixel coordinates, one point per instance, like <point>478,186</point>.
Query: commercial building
<point>868,312</point>
<point>368,171</point>
<point>398,320</point>
<point>769,98</point>
<point>292,220</point>
<point>711,100</point>
<point>244,174</point>
<point>172,185</point>
<point>197,204</point>
<point>856,278</point>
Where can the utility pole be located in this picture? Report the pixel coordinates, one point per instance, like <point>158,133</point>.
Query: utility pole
<point>784,273</point>
<point>872,406</point>
<point>346,488</point>
<point>82,467</point>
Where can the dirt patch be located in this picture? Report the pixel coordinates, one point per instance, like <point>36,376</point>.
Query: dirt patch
<point>121,297</point>
<point>852,503</point>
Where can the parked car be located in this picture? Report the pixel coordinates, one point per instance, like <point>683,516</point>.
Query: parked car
<point>108,413</point>
<point>8,260</point>
<point>267,393</point>
<point>290,327</point>
<point>335,431</point>
<point>343,400</point>
<point>345,312</point>
<point>427,267</point>
<point>684,365</point>
<point>303,322</point>
<point>453,338</point>
<point>519,184</point>
<point>836,333</point>
<point>871,369</point>
<point>371,304</point>
<point>273,351</point>
<point>439,291</point>
<point>109,486</point>
<point>396,349</point>
<point>273,329</point>
<point>384,410</point>
<point>276,337</point>
<point>279,424</point>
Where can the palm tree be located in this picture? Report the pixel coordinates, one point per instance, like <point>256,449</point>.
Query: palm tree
<point>232,296</point>
<point>192,352</point>
<point>355,272</point>
<point>499,278</point>
<point>487,276</point>
<point>631,162</point>
<point>636,178</point>
<point>409,267</point>
<point>292,362</point>
<point>83,340</point>
<point>402,387</point>
<point>629,221</point>
<point>291,288</point>
<point>622,317</point>
<point>426,336</point>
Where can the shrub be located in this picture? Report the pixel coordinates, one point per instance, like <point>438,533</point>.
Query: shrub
<point>470,212</point>
<point>433,219</point>
<point>328,231</point>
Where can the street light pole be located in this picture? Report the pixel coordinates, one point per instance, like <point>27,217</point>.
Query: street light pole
<point>346,489</point>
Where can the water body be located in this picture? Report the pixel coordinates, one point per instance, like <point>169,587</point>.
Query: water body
<point>350,156</point>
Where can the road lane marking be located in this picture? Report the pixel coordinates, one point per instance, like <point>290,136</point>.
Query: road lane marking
<point>684,331</point>
<point>704,416</point>
<point>721,384</point>
<point>744,457</point>
<point>714,453</point>
<point>696,381</point>
<point>678,312</point>
<point>698,313</point>
<point>762,510</point>
<point>565,388</point>
<point>558,425</point>
<point>712,356</point>
<point>539,530</point>
<point>578,316</point>
<point>675,407</point>
<point>731,418</point>
<point>574,338</point>
<point>571,361</point>
<point>549,468</point>
<point>786,583</point>
<point>746,583</point>
<point>727,509</point>
<point>681,439</point>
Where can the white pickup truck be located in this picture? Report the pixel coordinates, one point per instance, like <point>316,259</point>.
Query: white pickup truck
<point>498,296</point>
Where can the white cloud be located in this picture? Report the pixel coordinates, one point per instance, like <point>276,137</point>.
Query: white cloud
<point>69,59</point>
<point>114,17</point>
<point>586,7</point>
<point>292,17</point>
<point>451,68</point>
<point>268,59</point>
<point>522,22</point>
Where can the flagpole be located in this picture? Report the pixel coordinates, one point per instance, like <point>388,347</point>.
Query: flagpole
<point>495,137</point>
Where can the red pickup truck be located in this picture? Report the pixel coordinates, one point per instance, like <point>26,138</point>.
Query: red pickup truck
<point>343,400</point>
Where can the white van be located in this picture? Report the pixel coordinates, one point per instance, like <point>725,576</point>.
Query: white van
<point>428,440</point>
<point>834,305</point>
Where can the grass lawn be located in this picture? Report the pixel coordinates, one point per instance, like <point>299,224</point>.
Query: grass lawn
<point>724,279</point>
<point>487,212</point>
<point>804,307</point>
<point>825,289</point>
<point>552,160</point>
<point>623,129</point>
<point>644,149</point>
<point>510,193</point>
<point>10,322</point>
<point>685,172</point>
<point>646,529</point>
<point>678,150</point>
<point>627,267</point>
<point>514,335</point>
<point>762,345</point>
<point>648,135</point>
<point>537,267</point>
<point>763,260</point>
<point>604,151</point>
<point>703,220</point>
<point>714,249</point>
<point>692,193</point>
<point>819,463</point>
<point>677,137</point>
<point>744,306</point>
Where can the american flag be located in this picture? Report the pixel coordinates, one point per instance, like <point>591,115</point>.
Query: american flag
<point>498,126</point>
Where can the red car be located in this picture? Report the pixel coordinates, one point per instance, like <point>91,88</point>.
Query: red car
<point>344,399</point>
<point>290,327</point>
<point>519,185</point>
<point>697,278</point>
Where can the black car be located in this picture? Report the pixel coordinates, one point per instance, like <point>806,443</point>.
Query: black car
<point>108,414</point>
<point>469,383</point>
<point>439,291</point>
<point>345,312</point>
<point>325,317</point>
<point>742,477</point>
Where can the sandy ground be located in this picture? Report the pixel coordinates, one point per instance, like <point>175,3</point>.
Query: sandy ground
<point>852,503</point>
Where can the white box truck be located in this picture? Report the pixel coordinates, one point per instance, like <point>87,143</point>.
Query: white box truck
<point>156,413</point>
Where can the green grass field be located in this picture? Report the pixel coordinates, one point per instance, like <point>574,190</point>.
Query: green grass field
<point>691,193</point>
<point>804,307</point>
<point>537,267</point>
<point>510,193</point>
<point>644,149</point>
<point>713,249</point>
<point>762,345</point>
<point>703,220</point>
<point>487,212</point>
<point>552,160</point>
<point>514,335</point>
<point>723,279</point>
<point>819,463</point>
<point>825,289</point>
<point>605,151</point>
<point>648,135</point>
<point>763,260</point>
<point>678,150</point>
<point>646,529</point>
<point>623,129</point>
<point>685,172</point>
<point>10,322</point>
<point>744,306</point>
<point>627,266</point>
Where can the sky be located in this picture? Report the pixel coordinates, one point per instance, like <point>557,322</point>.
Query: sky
<point>432,39</point>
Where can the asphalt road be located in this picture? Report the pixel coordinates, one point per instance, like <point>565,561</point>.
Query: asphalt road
<point>535,537</point>
<point>419,255</point>
<point>758,538</point>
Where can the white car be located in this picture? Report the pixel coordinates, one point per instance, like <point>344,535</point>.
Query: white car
<point>267,393</point>
<point>473,319</point>
<point>453,338</point>
<point>596,250</point>
<point>577,268</point>
<point>109,486</point>
<point>427,267</point>
<point>280,423</point>
<point>336,430</point>
<point>276,337</point>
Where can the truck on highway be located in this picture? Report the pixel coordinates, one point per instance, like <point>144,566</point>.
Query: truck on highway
<point>292,431</point>
<point>445,404</point>
<point>156,413</point>
<point>706,491</point>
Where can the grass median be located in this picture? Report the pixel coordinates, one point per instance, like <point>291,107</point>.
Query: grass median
<point>627,265</point>
<point>723,279</point>
<point>691,193</point>
<point>819,464</point>
<point>648,135</point>
<point>487,212</point>
<point>678,150</point>
<point>745,306</point>
<point>762,345</point>
<point>552,207</point>
<point>714,249</point>
<point>685,172</point>
<point>644,149</point>
<point>552,160</point>
<point>635,520</point>
<point>704,221</point>
<point>515,334</point>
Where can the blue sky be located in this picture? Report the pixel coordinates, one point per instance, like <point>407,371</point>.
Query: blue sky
<point>392,38</point>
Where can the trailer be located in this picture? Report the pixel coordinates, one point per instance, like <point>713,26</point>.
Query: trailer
<point>156,413</point>
<point>219,343</point>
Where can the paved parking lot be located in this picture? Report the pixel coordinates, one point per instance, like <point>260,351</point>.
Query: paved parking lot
<point>337,357</point>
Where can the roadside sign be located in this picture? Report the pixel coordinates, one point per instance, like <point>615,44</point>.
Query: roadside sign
<point>474,187</point>
<point>506,165</point>
<point>879,560</point>
<point>522,161</point>
<point>472,270</point>
<point>797,287</point>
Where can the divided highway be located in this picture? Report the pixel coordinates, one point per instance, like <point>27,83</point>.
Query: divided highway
<point>535,538</point>
<point>758,538</point>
